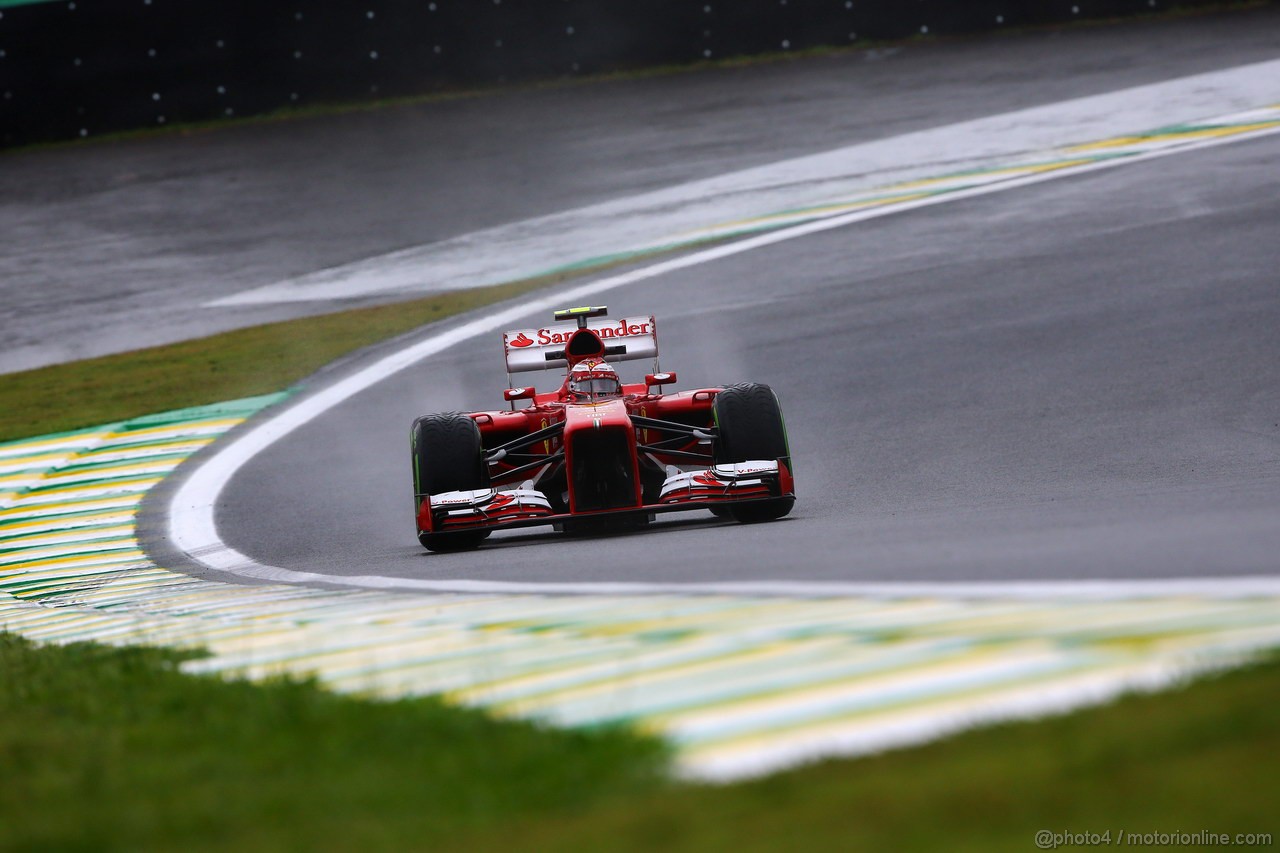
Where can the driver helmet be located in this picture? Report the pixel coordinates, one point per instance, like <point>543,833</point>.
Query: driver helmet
<point>591,380</point>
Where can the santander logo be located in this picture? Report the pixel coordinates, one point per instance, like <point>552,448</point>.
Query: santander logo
<point>630,327</point>
<point>621,329</point>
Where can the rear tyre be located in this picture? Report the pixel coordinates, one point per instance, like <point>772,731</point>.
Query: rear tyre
<point>447,457</point>
<point>749,427</point>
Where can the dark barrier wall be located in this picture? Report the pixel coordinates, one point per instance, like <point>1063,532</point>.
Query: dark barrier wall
<point>75,68</point>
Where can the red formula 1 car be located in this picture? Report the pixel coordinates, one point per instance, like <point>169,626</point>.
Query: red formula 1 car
<point>595,453</point>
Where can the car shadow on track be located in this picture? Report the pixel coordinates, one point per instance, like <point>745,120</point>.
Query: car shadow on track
<point>512,540</point>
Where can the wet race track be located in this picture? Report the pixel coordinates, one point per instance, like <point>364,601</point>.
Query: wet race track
<point>1077,379</point>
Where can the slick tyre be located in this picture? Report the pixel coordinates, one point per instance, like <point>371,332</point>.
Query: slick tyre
<point>750,426</point>
<point>447,457</point>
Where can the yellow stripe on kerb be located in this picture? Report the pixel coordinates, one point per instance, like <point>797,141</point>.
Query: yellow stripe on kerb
<point>30,507</point>
<point>19,466</point>
<point>82,561</point>
<point>214,425</point>
<point>1065,158</point>
<point>113,471</point>
<point>49,446</point>
<point>1177,136</point>
<point>10,529</point>
<point>82,533</point>
<point>872,732</point>
<point>113,452</point>
<point>32,556</point>
<point>55,489</point>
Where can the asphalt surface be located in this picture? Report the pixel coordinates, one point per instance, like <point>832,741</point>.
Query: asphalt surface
<point>112,245</point>
<point>1079,379</point>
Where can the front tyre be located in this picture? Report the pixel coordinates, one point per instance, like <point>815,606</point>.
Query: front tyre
<point>447,457</point>
<point>750,427</point>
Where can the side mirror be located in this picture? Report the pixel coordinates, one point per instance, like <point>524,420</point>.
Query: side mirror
<point>513,394</point>
<point>658,379</point>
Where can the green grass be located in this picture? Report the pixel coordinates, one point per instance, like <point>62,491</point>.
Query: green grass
<point>113,749</point>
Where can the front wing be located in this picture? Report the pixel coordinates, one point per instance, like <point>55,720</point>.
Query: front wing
<point>525,506</point>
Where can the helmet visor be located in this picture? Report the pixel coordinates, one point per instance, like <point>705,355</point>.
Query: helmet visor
<point>597,387</point>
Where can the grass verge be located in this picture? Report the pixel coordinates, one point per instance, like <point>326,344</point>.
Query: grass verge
<point>228,366</point>
<point>114,749</point>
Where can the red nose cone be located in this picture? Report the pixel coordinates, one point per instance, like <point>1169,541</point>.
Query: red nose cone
<point>521,340</point>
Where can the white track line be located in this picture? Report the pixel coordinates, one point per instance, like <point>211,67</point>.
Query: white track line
<point>193,529</point>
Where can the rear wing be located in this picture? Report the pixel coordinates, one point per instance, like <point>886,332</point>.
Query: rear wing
<point>624,339</point>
